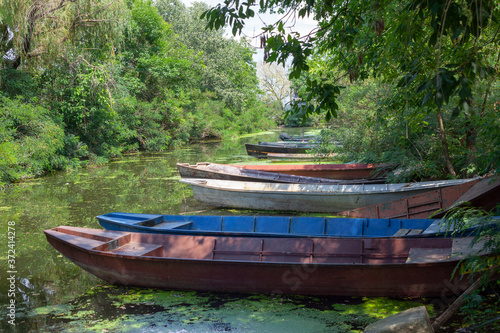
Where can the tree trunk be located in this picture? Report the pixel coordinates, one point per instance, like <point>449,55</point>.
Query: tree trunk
<point>470,145</point>
<point>446,153</point>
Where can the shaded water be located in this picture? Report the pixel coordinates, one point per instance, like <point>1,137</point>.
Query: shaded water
<point>54,295</point>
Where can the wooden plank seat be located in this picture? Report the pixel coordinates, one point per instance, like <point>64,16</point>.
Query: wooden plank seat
<point>139,249</point>
<point>419,255</point>
<point>407,232</point>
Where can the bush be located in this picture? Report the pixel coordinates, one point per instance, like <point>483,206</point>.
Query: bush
<point>30,142</point>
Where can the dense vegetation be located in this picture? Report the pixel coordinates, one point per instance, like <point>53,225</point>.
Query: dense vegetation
<point>414,82</point>
<point>84,80</point>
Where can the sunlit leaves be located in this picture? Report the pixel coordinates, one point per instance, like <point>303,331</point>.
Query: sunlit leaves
<point>221,15</point>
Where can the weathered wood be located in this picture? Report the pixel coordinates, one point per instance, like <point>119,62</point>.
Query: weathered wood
<point>402,232</point>
<point>305,265</point>
<point>229,172</point>
<point>414,207</point>
<point>334,171</point>
<point>315,198</point>
<point>418,255</point>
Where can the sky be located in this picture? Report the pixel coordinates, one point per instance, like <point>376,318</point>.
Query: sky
<point>253,26</point>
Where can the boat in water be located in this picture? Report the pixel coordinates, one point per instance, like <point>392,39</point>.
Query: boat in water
<point>334,171</point>
<point>320,198</point>
<point>231,172</point>
<point>261,149</point>
<point>273,226</point>
<point>385,267</point>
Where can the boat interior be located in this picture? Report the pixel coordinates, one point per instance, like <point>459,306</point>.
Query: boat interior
<point>255,249</point>
<point>305,226</point>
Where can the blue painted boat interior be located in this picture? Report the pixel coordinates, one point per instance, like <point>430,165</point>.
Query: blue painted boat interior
<point>276,225</point>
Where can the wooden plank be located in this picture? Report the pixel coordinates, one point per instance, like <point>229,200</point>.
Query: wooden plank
<point>136,249</point>
<point>401,232</point>
<point>462,247</point>
<point>419,255</point>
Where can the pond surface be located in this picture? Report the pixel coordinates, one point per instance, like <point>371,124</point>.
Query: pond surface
<point>47,293</point>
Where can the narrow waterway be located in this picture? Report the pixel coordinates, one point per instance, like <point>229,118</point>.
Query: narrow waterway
<point>47,293</point>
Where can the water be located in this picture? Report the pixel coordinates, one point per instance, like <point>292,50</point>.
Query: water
<point>41,291</point>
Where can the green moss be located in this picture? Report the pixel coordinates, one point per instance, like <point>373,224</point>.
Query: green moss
<point>119,309</point>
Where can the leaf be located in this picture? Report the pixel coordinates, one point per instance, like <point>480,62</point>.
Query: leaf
<point>426,98</point>
<point>455,113</point>
<point>424,86</point>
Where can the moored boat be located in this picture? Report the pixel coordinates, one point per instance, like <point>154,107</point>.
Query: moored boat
<point>261,149</point>
<point>335,171</point>
<point>231,172</point>
<point>272,226</point>
<point>392,267</point>
<point>321,198</point>
<point>299,157</point>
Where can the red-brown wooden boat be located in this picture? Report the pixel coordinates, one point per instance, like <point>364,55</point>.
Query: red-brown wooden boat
<point>312,266</point>
<point>484,193</point>
<point>334,171</point>
<point>232,172</point>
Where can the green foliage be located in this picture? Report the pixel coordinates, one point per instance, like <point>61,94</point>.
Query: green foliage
<point>29,141</point>
<point>481,265</point>
<point>16,83</point>
<point>89,80</point>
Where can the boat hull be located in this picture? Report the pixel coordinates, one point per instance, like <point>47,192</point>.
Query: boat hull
<point>484,194</point>
<point>370,278</point>
<point>334,171</point>
<point>229,172</point>
<point>320,198</point>
<point>261,151</point>
<point>415,207</point>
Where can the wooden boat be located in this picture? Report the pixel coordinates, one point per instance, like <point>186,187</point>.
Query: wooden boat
<point>393,267</point>
<point>321,198</point>
<point>261,149</point>
<point>484,193</point>
<point>334,171</point>
<point>298,138</point>
<point>299,157</point>
<point>272,226</point>
<point>231,172</point>
<point>287,144</point>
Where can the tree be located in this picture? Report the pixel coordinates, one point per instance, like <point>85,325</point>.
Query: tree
<point>434,52</point>
<point>275,83</point>
<point>229,70</point>
<point>42,30</point>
